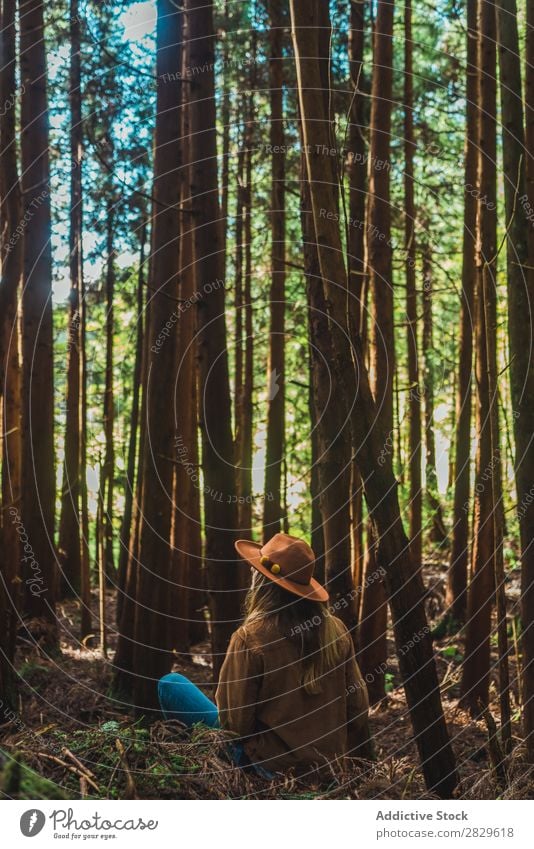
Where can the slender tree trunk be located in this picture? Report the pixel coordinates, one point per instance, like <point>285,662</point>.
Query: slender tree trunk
<point>238,300</point>
<point>196,573</point>
<point>489,296</point>
<point>85,589</point>
<point>402,578</point>
<point>10,377</point>
<point>70,552</point>
<point>438,532</point>
<point>357,162</point>
<point>225,118</point>
<point>313,274</point>
<point>317,533</point>
<point>414,409</point>
<point>519,201</point>
<point>108,469</point>
<point>188,502</point>
<point>457,578</point>
<point>476,666</point>
<point>123,660</point>
<point>126,524</point>
<point>272,510</point>
<point>356,238</point>
<point>245,341</point>
<point>372,633</point>
<point>217,444</point>
<point>244,481</point>
<point>356,524</point>
<point>38,475</point>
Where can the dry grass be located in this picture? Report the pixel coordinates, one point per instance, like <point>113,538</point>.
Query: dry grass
<point>72,731</point>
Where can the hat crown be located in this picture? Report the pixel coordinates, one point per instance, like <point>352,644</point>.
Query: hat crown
<point>294,556</point>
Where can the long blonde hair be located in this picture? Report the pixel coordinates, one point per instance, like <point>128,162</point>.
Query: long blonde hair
<point>309,624</point>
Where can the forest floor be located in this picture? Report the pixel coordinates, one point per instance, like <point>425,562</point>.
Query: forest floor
<point>71,732</point>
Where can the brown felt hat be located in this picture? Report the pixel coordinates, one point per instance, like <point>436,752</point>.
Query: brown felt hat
<point>287,561</point>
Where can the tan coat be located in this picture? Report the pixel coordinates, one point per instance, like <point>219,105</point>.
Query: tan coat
<point>260,698</point>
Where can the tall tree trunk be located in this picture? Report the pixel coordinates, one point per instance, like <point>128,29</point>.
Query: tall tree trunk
<point>225,118</point>
<point>187,546</point>
<point>414,407</point>
<point>316,533</point>
<point>108,469</point>
<point>220,509</point>
<point>10,382</point>
<point>272,505</point>
<point>123,679</point>
<point>126,524</point>
<point>519,202</point>
<point>357,162</point>
<point>38,475</point>
<point>70,552</point>
<point>489,297</point>
<point>372,634</point>
<point>196,573</point>
<point>244,481</point>
<point>238,300</point>
<point>476,666</point>
<point>85,588</point>
<point>356,237</point>
<point>151,657</point>
<point>457,577</point>
<point>438,532</point>
<point>332,434</point>
<point>245,342</point>
<point>402,578</point>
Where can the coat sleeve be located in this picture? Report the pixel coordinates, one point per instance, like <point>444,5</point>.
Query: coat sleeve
<point>238,689</point>
<point>358,737</point>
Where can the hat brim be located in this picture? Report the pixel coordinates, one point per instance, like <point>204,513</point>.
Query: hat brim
<point>251,552</point>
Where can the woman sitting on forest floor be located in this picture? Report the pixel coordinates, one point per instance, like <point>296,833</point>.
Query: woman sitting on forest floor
<point>289,687</point>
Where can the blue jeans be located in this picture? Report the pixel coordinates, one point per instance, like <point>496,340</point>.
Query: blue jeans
<point>180,699</point>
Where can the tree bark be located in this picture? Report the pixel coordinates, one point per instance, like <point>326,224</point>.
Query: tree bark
<point>356,239</point>
<point>38,474</point>
<point>186,533</point>
<point>333,436</point>
<point>357,162</point>
<point>414,406</point>
<point>519,202</point>
<point>108,468</point>
<point>476,667</point>
<point>272,505</point>
<point>220,509</point>
<point>129,485</point>
<point>403,580</point>
<point>457,577</point>
<point>10,383</point>
<point>70,552</point>
<point>438,532</point>
<point>373,625</point>
<point>245,341</point>
<point>151,656</point>
<point>123,661</point>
